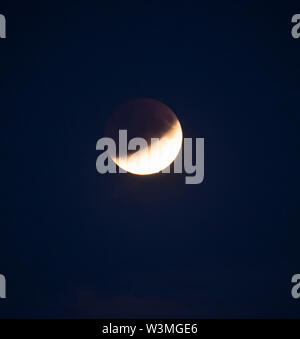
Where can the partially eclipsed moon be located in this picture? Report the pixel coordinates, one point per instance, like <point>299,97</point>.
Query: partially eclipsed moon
<point>158,125</point>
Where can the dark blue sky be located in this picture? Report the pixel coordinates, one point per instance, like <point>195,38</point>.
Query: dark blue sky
<point>74,243</point>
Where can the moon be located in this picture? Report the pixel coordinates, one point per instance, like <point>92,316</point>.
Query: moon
<point>156,123</point>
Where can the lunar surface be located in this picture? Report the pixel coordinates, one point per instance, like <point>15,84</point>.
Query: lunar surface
<point>157,124</point>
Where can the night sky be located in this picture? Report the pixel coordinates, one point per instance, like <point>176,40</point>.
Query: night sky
<point>74,243</point>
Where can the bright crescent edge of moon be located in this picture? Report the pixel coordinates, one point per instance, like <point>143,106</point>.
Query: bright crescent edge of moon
<point>156,156</point>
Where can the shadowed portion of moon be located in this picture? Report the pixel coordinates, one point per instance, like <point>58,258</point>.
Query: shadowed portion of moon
<point>143,117</point>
